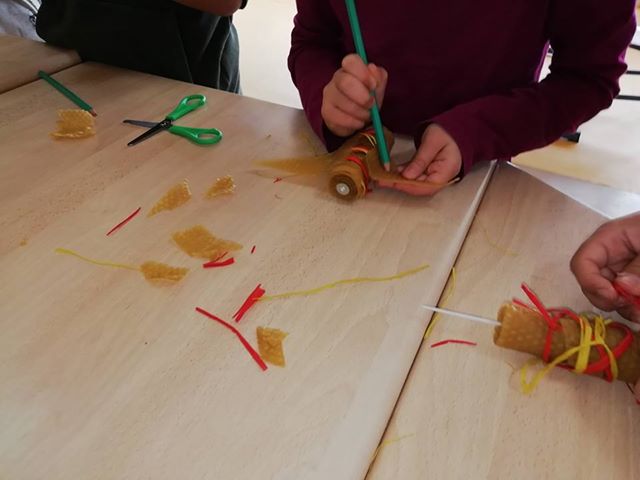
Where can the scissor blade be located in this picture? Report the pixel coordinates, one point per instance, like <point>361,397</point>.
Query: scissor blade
<point>159,127</point>
<point>466,316</point>
<point>140,123</point>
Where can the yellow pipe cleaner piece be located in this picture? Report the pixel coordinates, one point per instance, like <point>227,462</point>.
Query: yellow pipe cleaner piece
<point>582,350</point>
<point>443,304</point>
<point>388,442</point>
<point>328,286</point>
<point>66,251</point>
<point>500,248</point>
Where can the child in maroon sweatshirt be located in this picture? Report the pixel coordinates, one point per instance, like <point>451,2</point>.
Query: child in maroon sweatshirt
<point>460,75</point>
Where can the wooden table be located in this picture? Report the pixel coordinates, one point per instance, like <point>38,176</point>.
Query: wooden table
<point>21,58</point>
<point>103,375</point>
<point>462,404</point>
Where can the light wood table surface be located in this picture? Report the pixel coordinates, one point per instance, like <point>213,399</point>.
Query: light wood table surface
<point>462,405</point>
<point>103,375</point>
<point>21,58</point>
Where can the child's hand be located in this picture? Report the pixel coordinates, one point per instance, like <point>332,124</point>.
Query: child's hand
<point>611,255</point>
<point>437,162</point>
<point>346,99</point>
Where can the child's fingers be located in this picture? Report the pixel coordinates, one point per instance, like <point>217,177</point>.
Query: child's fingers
<point>352,88</point>
<point>351,108</point>
<point>354,65</point>
<point>417,190</point>
<point>339,122</point>
<point>586,265</point>
<point>381,76</point>
<point>443,169</point>
<point>333,96</point>
<point>423,158</point>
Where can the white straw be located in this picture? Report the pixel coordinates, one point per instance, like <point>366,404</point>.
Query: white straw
<point>466,316</point>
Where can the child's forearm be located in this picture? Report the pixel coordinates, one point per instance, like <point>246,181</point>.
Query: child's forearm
<point>316,53</point>
<point>583,81</point>
<point>223,8</point>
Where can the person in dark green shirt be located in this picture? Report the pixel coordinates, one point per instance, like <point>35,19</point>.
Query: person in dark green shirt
<point>189,40</point>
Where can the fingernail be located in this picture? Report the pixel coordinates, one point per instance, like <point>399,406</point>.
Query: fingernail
<point>629,281</point>
<point>408,173</point>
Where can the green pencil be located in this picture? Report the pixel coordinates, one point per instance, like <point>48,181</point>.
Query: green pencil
<point>67,93</point>
<point>375,112</point>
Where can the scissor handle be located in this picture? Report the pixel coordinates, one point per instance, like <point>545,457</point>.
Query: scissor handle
<point>201,136</point>
<point>186,105</point>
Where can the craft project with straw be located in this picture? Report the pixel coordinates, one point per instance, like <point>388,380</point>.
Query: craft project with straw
<point>584,343</point>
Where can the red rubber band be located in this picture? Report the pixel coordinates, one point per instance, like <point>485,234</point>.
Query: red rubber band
<point>249,302</point>
<point>552,316</point>
<point>124,222</point>
<point>363,167</point>
<point>214,263</point>
<point>253,249</point>
<point>243,340</point>
<point>462,342</point>
<point>632,299</point>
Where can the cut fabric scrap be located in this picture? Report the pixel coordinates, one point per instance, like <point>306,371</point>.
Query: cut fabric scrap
<point>298,166</point>
<point>328,286</point>
<point>222,186</point>
<point>124,222</point>
<point>176,196</point>
<point>270,345</point>
<point>585,343</point>
<point>198,242</point>
<point>160,271</point>
<point>74,123</point>
<point>251,300</point>
<point>256,357</point>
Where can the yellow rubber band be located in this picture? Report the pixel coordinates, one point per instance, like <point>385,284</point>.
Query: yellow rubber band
<point>66,251</point>
<point>582,350</point>
<point>328,286</point>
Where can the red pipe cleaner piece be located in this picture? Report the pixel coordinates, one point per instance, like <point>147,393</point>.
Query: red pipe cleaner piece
<point>363,167</point>
<point>462,342</point>
<point>552,316</point>
<point>214,263</point>
<point>124,222</point>
<point>243,340</point>
<point>551,321</point>
<point>253,249</point>
<point>277,179</point>
<point>632,299</point>
<point>249,302</point>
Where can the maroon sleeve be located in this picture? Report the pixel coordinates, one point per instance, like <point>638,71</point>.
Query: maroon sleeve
<point>316,53</point>
<point>589,40</point>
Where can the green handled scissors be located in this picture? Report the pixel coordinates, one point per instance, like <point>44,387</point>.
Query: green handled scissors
<point>201,136</point>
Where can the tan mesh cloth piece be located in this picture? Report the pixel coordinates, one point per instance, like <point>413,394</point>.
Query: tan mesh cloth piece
<point>198,242</point>
<point>161,271</point>
<point>176,196</point>
<point>222,186</point>
<point>270,345</point>
<point>525,330</point>
<point>74,124</point>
